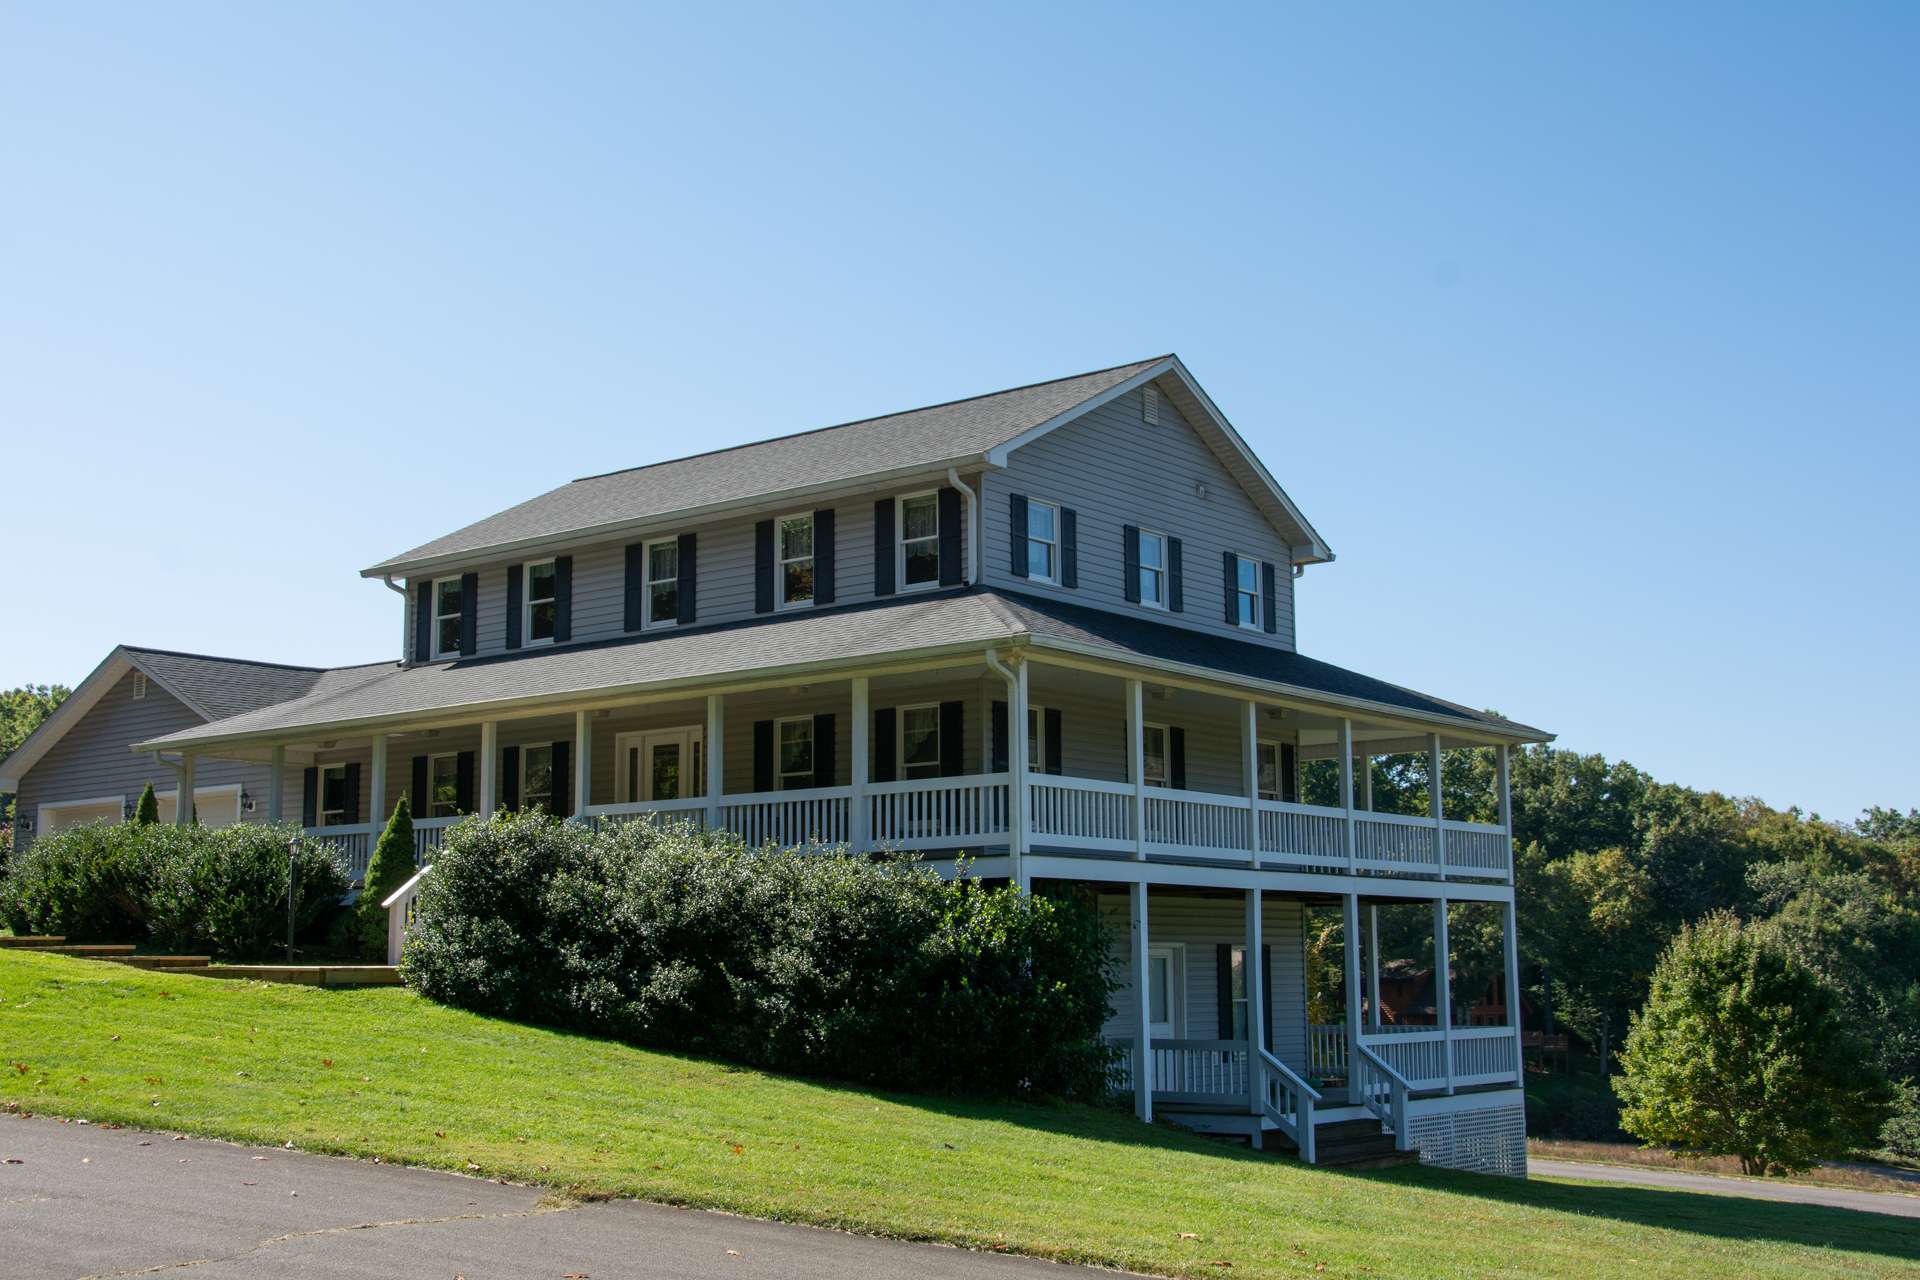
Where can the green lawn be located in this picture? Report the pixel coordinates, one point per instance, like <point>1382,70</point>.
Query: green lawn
<point>380,1072</point>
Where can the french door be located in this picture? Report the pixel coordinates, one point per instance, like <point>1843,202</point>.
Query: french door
<point>660,764</point>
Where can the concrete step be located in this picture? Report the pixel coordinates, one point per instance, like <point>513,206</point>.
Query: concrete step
<point>33,940</point>
<point>162,962</point>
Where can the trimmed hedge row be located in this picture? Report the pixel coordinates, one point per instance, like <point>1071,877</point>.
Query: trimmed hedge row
<point>184,888</point>
<point>814,963</point>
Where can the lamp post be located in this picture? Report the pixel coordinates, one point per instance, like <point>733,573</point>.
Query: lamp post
<point>293,851</point>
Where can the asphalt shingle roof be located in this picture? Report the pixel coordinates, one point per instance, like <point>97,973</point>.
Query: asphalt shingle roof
<point>872,446</point>
<point>224,687</point>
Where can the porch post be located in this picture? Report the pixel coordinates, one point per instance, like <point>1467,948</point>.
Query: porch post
<point>1137,765</point>
<point>183,804</point>
<point>377,784</point>
<point>1435,803</point>
<point>1503,786</point>
<point>1250,754</point>
<point>487,800</point>
<point>1351,955</point>
<point>1346,788</point>
<point>1512,932</point>
<point>716,755</point>
<point>1143,1010</point>
<point>1017,787</point>
<point>859,833</point>
<point>1443,984</point>
<point>582,763</point>
<point>1373,964</point>
<point>1254,967</point>
<point>277,785</point>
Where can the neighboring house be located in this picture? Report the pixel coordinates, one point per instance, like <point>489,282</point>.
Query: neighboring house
<point>1051,628</point>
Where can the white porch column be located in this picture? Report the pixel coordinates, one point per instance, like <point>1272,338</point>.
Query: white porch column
<point>1346,788</point>
<point>716,755</point>
<point>1250,755</point>
<point>489,795</point>
<point>1443,983</point>
<point>1512,932</point>
<point>1503,786</point>
<point>1350,949</point>
<point>1021,769</point>
<point>1373,964</point>
<point>277,785</point>
<point>183,802</point>
<point>1256,1014</point>
<point>1143,1008</point>
<point>1436,802</point>
<point>582,762</point>
<point>859,832</point>
<point>377,783</point>
<point>1137,764</point>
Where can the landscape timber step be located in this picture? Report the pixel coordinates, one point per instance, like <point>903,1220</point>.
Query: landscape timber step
<point>311,975</point>
<point>95,950</point>
<point>34,940</point>
<point>163,962</point>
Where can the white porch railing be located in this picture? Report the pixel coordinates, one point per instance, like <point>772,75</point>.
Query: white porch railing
<point>938,813</point>
<point>1383,1091</point>
<point>399,905</point>
<point>1080,813</point>
<point>1288,1101</point>
<point>1481,1055</point>
<point>791,819</point>
<point>354,843</point>
<point>1185,821</point>
<point>1394,842</point>
<point>659,812</point>
<point>1308,834</point>
<point>427,835</point>
<point>1200,1071</point>
<point>1478,849</point>
<point>1484,1055</point>
<point>1327,1049</point>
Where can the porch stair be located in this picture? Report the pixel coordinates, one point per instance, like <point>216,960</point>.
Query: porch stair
<point>1340,1144</point>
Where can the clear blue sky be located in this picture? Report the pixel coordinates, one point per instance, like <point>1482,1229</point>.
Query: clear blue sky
<point>1587,338</point>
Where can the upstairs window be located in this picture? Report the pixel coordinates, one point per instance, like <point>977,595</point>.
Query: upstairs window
<point>443,787</point>
<point>663,582</point>
<point>920,741</point>
<point>448,602</point>
<point>332,809</point>
<point>1153,569</point>
<point>536,778</point>
<point>1246,593</point>
<point>794,748</point>
<point>919,525</point>
<point>542,608</point>
<point>1043,542</point>
<point>793,561</point>
<point>1267,757</point>
<point>1153,754</point>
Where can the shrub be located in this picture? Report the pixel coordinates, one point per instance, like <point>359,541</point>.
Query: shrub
<point>147,812</point>
<point>390,867</point>
<point>805,962</point>
<point>89,883</point>
<point>225,891</point>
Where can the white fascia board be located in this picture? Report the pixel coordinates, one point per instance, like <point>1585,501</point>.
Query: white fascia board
<point>69,713</point>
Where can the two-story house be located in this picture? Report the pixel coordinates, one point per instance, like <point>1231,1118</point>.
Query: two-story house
<point>1050,628</point>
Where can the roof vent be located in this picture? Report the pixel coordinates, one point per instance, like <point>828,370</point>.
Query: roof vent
<point>1150,406</point>
<point>139,685</point>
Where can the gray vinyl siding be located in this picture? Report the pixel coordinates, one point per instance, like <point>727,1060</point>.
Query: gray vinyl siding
<point>92,759</point>
<point>1114,469</point>
<point>1200,925</point>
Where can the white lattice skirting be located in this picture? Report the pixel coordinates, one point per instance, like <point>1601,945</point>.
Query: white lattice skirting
<point>1484,1140</point>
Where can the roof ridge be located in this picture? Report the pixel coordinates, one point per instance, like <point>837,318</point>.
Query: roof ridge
<point>855,422</point>
<point>215,657</point>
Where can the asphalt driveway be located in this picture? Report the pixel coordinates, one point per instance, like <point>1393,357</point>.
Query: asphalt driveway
<point>82,1201</point>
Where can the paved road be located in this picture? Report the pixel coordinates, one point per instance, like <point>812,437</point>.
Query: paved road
<point>89,1202</point>
<point>1891,1202</point>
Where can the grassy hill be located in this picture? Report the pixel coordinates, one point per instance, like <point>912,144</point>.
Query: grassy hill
<point>383,1073</point>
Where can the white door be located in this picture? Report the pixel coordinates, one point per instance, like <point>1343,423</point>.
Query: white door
<point>660,764</point>
<point>1166,1017</point>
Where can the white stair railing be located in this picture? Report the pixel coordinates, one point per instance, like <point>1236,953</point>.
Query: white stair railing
<point>399,905</point>
<point>1383,1091</point>
<point>1288,1101</point>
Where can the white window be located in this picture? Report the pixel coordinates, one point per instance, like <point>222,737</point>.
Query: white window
<point>1153,754</point>
<point>443,787</point>
<point>1153,569</point>
<point>1246,594</point>
<point>918,520</point>
<point>1267,758</point>
<point>663,582</point>
<point>541,609</point>
<point>659,764</point>
<point>793,753</point>
<point>331,807</point>
<point>1237,993</point>
<point>1166,972</point>
<point>1036,739</point>
<point>448,601</point>
<point>536,778</point>
<point>1043,542</point>
<point>920,741</point>
<point>793,561</point>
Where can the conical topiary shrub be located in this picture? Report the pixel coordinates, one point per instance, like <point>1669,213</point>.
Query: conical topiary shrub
<point>147,811</point>
<point>390,867</point>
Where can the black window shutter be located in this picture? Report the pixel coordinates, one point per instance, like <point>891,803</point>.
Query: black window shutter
<point>824,750</point>
<point>823,556</point>
<point>953,738</point>
<point>1001,756</point>
<point>1269,584</point>
<point>422,624</point>
<point>950,568</point>
<point>352,815</point>
<point>763,567</point>
<point>1053,740</point>
<point>886,745</point>
<point>562,599</point>
<point>689,556</point>
<point>421,801</point>
<point>510,779</point>
<point>1130,562</point>
<point>1177,764</point>
<point>1069,548</point>
<point>560,804</point>
<point>1230,563</point>
<point>883,547</point>
<point>1176,579</point>
<point>763,755</point>
<point>1266,995</point>
<point>1289,773</point>
<point>469,613</point>
<point>1223,981</point>
<point>636,587</point>
<point>516,577</point>
<point>463,782</point>
<point>310,798</point>
<point>1017,522</point>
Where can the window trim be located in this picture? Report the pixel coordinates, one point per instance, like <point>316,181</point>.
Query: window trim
<point>900,501</point>
<point>527,601</point>
<point>1037,738</point>
<point>1161,605</point>
<point>900,765</point>
<point>1259,622</point>
<point>439,617</point>
<point>780,563</point>
<point>1260,748</point>
<point>636,739</point>
<point>1166,749</point>
<point>320,810</point>
<point>1052,579</point>
<point>433,764</point>
<point>1242,1003</point>
<point>526,751</point>
<point>647,621</point>
<point>780,774</point>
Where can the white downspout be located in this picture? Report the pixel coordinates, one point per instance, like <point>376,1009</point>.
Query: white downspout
<point>1016,771</point>
<point>406,647</point>
<point>973,529</point>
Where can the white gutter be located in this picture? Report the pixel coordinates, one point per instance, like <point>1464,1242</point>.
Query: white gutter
<point>973,525</point>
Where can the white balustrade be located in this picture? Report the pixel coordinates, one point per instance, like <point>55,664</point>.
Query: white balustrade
<point>1196,821</point>
<point>664,813</point>
<point>1327,1049</point>
<point>427,835</point>
<point>353,846</point>
<point>1394,842</point>
<point>1200,1070</point>
<point>1289,1102</point>
<point>1484,1055</point>
<point>937,813</point>
<point>1418,1054</point>
<point>1303,833</point>
<point>789,819</point>
<point>1383,1091</point>
<point>1080,813</point>
<point>1476,849</point>
<point>400,910</point>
